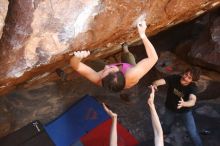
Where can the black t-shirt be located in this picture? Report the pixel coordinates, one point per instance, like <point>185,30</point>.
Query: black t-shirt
<point>175,91</point>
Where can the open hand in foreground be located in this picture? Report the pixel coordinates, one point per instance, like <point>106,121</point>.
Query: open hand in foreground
<point>109,112</point>
<point>151,98</point>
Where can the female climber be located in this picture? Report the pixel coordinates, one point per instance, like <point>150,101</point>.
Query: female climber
<point>119,76</point>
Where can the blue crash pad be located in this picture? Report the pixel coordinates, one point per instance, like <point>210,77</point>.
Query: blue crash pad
<point>80,118</point>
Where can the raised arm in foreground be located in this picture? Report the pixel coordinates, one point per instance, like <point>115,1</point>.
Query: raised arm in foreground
<point>158,132</point>
<point>113,134</point>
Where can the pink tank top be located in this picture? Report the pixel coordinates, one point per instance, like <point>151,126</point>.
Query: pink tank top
<point>124,68</point>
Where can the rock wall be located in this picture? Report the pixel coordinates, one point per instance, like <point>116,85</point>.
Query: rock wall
<point>203,48</point>
<point>206,50</point>
<point>3,12</point>
<point>39,35</point>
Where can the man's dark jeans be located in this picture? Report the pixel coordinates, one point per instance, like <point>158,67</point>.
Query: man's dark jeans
<point>189,123</point>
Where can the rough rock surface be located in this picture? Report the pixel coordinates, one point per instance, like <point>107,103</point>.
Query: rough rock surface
<point>48,100</point>
<point>39,35</point>
<point>3,12</point>
<point>203,49</point>
<point>208,58</point>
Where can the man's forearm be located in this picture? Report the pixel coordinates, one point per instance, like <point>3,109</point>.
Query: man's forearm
<point>189,103</point>
<point>159,82</point>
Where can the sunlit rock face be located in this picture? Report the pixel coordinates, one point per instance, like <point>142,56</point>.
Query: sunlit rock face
<point>3,12</point>
<point>38,35</point>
